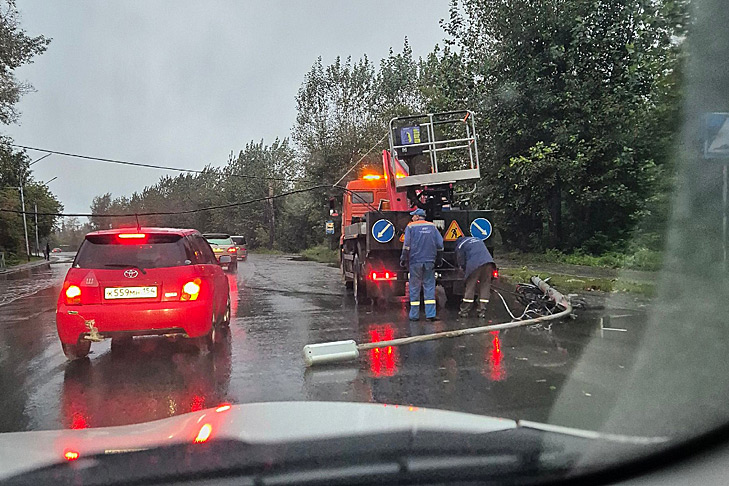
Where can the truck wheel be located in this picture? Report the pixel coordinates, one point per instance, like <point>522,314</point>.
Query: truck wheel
<point>441,297</point>
<point>358,287</point>
<point>348,284</point>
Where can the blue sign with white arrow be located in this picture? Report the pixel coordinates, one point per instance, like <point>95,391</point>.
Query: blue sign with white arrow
<point>716,136</point>
<point>383,231</point>
<point>480,228</point>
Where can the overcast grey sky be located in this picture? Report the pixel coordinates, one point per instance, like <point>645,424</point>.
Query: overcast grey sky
<point>183,83</point>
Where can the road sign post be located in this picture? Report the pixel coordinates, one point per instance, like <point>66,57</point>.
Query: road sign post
<point>716,147</point>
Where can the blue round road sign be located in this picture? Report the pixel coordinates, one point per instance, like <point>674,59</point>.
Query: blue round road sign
<point>480,228</point>
<point>383,231</point>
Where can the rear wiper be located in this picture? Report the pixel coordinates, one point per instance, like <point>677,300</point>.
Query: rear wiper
<point>125,265</point>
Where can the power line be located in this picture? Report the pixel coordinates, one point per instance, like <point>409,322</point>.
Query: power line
<point>151,166</point>
<point>361,159</point>
<point>171,213</point>
<point>193,171</point>
<point>188,211</point>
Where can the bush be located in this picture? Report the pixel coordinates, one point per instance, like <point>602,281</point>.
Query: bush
<point>321,254</point>
<point>637,259</point>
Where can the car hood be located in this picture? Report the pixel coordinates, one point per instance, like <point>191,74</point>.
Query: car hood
<point>272,422</point>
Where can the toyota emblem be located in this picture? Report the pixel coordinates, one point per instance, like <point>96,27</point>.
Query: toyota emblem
<point>131,273</point>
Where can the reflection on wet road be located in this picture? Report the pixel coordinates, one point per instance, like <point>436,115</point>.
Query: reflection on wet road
<point>280,305</point>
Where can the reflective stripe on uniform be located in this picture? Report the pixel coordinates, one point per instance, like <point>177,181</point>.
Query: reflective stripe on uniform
<point>468,300</point>
<point>429,302</point>
<point>483,301</point>
<point>415,303</point>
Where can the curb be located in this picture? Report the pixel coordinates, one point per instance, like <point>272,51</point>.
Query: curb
<point>24,267</point>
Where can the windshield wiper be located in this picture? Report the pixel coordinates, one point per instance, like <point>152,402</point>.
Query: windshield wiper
<point>125,265</point>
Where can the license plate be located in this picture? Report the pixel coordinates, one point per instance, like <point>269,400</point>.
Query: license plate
<point>130,292</point>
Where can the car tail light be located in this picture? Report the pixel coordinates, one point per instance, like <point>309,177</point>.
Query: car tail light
<point>132,236</point>
<point>495,273</point>
<point>383,275</point>
<point>232,249</point>
<point>191,290</point>
<point>73,295</point>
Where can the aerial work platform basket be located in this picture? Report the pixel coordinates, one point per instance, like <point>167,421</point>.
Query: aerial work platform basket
<point>434,149</point>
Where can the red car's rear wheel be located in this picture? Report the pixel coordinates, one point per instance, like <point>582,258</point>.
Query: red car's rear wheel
<point>76,351</point>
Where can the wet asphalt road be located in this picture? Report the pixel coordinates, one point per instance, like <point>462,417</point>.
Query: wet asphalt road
<point>280,305</point>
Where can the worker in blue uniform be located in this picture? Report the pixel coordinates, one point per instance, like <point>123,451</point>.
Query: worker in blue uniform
<point>422,246</point>
<point>478,265</point>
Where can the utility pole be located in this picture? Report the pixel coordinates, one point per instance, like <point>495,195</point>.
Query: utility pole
<point>272,221</point>
<point>37,245</point>
<point>25,223</point>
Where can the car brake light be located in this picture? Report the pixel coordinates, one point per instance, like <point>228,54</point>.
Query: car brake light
<point>132,236</point>
<point>73,295</point>
<point>191,290</point>
<point>232,249</point>
<point>495,273</point>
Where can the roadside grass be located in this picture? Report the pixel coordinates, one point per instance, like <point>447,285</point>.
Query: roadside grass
<point>321,254</point>
<point>640,259</point>
<point>571,284</point>
<point>12,259</point>
<point>266,251</point>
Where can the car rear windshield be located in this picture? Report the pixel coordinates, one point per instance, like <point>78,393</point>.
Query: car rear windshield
<point>238,240</point>
<point>152,251</point>
<point>220,241</point>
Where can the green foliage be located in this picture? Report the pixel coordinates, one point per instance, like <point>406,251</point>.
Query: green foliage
<point>14,171</point>
<point>70,232</point>
<point>638,258</point>
<point>578,102</point>
<point>321,254</point>
<point>263,222</point>
<point>16,49</point>
<point>568,283</point>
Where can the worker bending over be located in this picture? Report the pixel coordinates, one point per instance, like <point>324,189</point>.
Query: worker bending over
<point>478,265</point>
<point>421,247</point>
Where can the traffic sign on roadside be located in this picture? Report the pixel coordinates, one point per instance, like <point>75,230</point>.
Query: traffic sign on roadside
<point>716,136</point>
<point>330,227</point>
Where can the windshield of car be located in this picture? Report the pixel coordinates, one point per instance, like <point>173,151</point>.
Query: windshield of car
<point>110,251</point>
<point>568,267</point>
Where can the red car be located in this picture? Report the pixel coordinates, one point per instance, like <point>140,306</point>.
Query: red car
<point>151,281</point>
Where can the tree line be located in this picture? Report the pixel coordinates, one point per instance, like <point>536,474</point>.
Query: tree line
<point>578,103</point>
